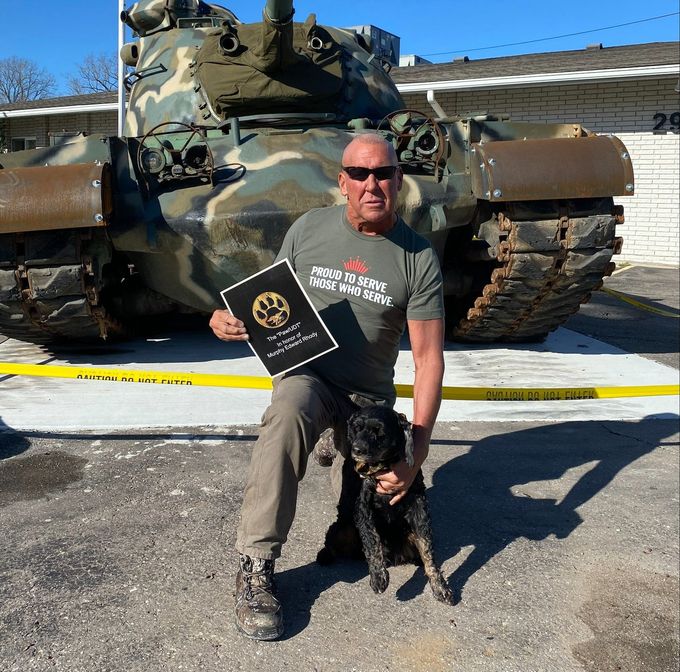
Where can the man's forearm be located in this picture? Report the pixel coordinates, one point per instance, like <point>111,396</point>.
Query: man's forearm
<point>427,340</point>
<point>427,395</point>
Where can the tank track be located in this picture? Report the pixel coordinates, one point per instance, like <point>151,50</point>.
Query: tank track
<point>542,272</point>
<point>51,282</point>
<point>50,286</point>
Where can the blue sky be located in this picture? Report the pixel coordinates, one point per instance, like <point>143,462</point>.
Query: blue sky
<point>57,35</point>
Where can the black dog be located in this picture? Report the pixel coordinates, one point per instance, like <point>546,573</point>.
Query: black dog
<point>400,533</point>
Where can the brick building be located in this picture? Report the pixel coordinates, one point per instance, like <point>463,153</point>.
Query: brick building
<point>34,123</point>
<point>629,91</point>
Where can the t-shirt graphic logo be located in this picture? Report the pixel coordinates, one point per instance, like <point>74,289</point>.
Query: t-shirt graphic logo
<point>271,310</point>
<point>356,265</point>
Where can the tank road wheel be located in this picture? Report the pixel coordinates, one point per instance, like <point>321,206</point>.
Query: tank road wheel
<point>528,267</point>
<point>52,286</point>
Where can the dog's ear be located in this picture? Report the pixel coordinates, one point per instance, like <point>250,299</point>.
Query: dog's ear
<point>354,425</point>
<point>407,428</point>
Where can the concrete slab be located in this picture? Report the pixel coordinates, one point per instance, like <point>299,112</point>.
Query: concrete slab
<point>566,359</point>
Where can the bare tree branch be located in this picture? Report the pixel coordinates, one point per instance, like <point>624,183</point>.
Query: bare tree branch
<point>97,72</point>
<point>21,79</point>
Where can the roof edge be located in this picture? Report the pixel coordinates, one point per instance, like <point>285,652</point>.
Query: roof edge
<point>580,76</point>
<point>514,81</point>
<point>62,109</point>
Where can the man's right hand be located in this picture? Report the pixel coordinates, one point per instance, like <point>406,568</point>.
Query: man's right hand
<point>227,327</point>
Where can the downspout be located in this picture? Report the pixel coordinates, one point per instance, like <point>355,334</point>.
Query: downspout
<point>438,109</point>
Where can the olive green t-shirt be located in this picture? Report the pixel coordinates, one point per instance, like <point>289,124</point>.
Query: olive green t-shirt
<point>365,288</point>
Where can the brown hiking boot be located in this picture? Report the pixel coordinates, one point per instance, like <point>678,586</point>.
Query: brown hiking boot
<point>258,612</point>
<point>324,450</point>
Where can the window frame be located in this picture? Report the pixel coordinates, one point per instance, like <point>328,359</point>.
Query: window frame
<point>24,139</point>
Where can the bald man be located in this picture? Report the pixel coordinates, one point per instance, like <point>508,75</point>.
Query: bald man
<point>391,278</point>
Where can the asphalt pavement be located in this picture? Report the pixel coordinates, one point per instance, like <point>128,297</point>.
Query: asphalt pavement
<point>558,531</point>
<point>634,329</point>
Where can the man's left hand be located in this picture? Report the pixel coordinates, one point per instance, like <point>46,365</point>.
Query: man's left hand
<point>396,482</point>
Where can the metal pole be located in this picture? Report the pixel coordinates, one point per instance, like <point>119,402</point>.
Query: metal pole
<point>121,71</point>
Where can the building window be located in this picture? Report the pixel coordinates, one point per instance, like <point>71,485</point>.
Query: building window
<point>22,143</point>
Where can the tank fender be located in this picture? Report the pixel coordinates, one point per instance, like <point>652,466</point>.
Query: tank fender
<point>551,168</point>
<point>44,198</point>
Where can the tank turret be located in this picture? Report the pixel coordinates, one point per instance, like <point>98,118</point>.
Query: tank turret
<point>210,67</point>
<point>233,130</point>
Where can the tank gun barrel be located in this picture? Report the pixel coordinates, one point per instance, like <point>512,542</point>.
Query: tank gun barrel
<point>275,51</point>
<point>279,11</point>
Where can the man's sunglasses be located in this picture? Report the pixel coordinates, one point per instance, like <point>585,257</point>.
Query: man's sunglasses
<point>361,174</point>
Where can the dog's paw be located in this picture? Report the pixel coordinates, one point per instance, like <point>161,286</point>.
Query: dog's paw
<point>443,593</point>
<point>379,580</point>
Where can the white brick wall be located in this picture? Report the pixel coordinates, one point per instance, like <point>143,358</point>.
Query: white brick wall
<point>652,228</point>
<point>651,231</point>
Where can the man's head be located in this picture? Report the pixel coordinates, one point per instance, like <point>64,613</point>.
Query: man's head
<point>371,195</point>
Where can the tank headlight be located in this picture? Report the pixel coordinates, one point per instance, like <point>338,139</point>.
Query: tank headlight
<point>426,143</point>
<point>196,156</point>
<point>152,160</point>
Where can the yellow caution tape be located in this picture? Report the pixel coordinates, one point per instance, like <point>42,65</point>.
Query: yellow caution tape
<point>404,391</point>
<point>639,304</point>
<point>134,376</point>
<point>620,268</point>
<point>547,393</point>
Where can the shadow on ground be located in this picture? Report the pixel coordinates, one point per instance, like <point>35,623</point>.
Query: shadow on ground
<point>476,501</point>
<point>11,442</point>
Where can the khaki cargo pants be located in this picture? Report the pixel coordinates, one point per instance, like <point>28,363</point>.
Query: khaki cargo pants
<point>302,406</point>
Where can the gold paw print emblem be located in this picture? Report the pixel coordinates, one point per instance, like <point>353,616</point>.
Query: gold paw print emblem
<point>271,310</point>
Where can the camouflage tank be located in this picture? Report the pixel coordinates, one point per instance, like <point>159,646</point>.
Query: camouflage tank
<point>234,130</point>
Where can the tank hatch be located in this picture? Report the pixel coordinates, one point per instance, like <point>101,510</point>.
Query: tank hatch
<point>270,67</point>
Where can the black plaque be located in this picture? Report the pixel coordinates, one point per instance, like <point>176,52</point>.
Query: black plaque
<point>284,327</point>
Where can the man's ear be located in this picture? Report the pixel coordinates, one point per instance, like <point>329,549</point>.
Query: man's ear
<point>400,178</point>
<point>342,182</point>
<point>407,428</point>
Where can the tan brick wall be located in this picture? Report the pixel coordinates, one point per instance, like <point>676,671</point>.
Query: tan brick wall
<point>27,127</point>
<point>40,127</point>
<point>652,228</point>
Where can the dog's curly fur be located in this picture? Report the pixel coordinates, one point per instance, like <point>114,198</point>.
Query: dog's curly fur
<point>400,533</point>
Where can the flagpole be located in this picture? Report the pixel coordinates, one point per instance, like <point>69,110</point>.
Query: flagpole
<point>121,71</point>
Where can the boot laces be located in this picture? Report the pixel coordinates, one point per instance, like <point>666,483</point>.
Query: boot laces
<point>258,575</point>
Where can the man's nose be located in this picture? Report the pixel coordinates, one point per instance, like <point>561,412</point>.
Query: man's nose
<point>372,182</point>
